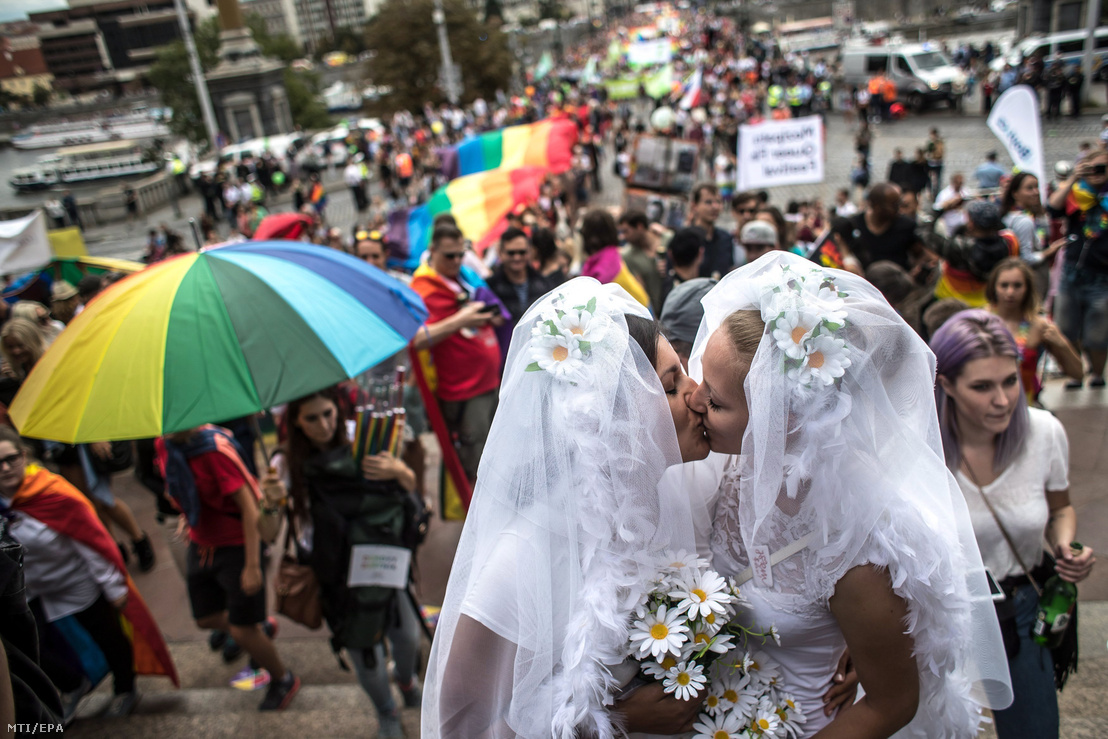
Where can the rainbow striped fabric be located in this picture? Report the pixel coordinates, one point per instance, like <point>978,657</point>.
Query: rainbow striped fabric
<point>478,202</point>
<point>548,143</point>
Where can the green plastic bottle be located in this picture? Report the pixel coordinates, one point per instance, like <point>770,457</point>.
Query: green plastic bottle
<point>1055,607</point>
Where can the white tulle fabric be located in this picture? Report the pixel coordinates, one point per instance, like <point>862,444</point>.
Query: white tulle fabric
<point>859,464</point>
<point>559,541</point>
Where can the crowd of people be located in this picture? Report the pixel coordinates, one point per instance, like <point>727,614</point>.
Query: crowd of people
<point>987,277</point>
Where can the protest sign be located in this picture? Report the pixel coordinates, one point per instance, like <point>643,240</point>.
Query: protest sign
<point>645,53</point>
<point>788,152</point>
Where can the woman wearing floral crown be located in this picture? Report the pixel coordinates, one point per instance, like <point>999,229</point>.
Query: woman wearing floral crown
<point>567,520</point>
<point>837,506</point>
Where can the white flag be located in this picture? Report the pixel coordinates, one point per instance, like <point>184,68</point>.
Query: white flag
<point>24,246</point>
<point>788,152</point>
<point>1015,121</point>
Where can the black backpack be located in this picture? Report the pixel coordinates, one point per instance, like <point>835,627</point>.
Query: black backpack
<point>347,510</point>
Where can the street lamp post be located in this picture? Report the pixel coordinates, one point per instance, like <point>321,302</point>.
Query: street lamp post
<point>1087,61</point>
<point>198,76</point>
<point>450,81</point>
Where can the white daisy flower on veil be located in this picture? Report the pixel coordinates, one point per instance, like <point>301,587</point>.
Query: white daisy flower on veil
<point>557,354</point>
<point>582,325</point>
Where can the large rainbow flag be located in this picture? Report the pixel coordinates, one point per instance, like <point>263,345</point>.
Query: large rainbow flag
<point>477,201</point>
<point>547,143</point>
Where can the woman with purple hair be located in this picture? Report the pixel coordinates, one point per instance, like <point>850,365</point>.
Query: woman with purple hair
<point>1012,463</point>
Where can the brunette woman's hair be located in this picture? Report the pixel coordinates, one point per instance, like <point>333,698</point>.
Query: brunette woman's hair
<point>645,332</point>
<point>970,335</point>
<point>1008,199</point>
<point>598,231</point>
<point>1030,305</point>
<point>8,434</point>
<point>299,448</point>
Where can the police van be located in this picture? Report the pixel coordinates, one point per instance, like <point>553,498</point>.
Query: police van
<point>922,73</point>
<point>1068,46</point>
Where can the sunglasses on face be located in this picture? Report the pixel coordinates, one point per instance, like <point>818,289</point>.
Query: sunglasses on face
<point>513,253</point>
<point>452,256</point>
<point>746,211</point>
<point>11,460</point>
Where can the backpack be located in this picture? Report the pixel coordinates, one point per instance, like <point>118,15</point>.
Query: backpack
<point>984,254</point>
<point>347,510</point>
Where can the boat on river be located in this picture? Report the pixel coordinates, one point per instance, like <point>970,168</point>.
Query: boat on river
<point>134,125</point>
<point>78,165</point>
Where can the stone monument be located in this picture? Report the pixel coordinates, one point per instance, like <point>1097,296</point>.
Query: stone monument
<point>247,89</point>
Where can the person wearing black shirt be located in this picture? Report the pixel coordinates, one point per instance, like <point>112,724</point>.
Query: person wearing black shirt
<point>879,233</point>
<point>900,172</point>
<point>514,280</point>
<point>719,247</point>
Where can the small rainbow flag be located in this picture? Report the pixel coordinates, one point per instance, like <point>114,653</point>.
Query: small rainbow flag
<point>548,143</point>
<point>477,201</point>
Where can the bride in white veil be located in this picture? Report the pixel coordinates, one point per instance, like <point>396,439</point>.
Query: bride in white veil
<point>838,503</point>
<point>566,521</point>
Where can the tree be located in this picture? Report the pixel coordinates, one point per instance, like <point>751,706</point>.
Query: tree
<point>280,46</point>
<point>171,76</point>
<point>41,96</point>
<point>408,58</point>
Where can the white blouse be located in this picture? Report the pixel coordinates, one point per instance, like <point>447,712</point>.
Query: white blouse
<point>1019,497</point>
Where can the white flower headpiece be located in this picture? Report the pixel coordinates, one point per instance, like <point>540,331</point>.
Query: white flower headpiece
<point>562,339</point>
<point>805,315</point>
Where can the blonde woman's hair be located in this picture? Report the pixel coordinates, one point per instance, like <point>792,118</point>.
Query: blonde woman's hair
<point>745,329</point>
<point>29,335</point>
<point>28,310</point>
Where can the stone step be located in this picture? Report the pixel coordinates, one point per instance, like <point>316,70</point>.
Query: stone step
<point>213,713</point>
<point>330,702</point>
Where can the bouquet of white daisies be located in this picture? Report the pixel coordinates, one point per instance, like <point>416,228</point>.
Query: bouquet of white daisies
<point>685,634</point>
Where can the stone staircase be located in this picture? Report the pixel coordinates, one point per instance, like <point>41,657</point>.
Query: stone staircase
<point>330,702</point>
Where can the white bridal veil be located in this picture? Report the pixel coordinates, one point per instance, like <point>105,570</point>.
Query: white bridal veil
<point>560,539</point>
<point>843,444</point>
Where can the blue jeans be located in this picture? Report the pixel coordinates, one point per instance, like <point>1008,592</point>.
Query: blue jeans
<point>404,641</point>
<point>1081,307</point>
<point>1034,709</point>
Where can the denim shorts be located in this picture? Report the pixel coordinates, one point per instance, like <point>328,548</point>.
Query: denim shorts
<point>1081,307</point>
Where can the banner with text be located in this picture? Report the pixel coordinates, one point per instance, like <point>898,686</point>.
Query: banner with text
<point>1015,121</point>
<point>788,152</point>
<point>645,53</point>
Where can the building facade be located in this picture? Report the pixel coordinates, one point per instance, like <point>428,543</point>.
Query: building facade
<point>95,45</point>
<point>22,68</point>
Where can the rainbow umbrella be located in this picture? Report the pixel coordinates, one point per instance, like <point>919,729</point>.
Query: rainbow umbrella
<point>214,336</point>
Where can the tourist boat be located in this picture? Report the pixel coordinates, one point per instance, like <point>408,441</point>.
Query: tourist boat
<point>77,165</point>
<point>133,125</point>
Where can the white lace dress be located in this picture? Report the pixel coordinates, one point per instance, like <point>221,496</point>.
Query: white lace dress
<point>811,642</point>
<point>797,603</point>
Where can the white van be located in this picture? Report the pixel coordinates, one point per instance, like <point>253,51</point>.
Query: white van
<point>1068,46</point>
<point>923,75</point>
